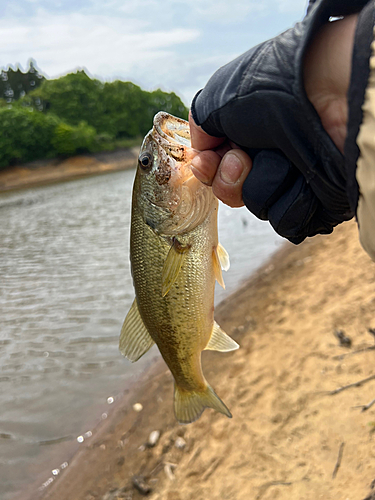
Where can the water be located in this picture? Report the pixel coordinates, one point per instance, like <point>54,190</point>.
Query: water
<point>65,287</point>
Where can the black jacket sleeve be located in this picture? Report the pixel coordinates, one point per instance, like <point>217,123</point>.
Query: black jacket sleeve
<point>259,102</point>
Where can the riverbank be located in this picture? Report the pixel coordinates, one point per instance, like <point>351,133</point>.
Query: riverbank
<point>44,172</point>
<point>290,436</point>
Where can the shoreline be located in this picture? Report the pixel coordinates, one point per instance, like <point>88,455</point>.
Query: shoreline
<point>286,431</point>
<point>139,390</point>
<point>44,172</point>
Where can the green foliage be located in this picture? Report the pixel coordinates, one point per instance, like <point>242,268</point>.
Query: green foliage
<point>74,114</point>
<point>119,109</point>
<point>15,84</point>
<point>73,98</point>
<point>68,140</point>
<point>25,135</point>
<point>123,106</point>
<point>171,103</point>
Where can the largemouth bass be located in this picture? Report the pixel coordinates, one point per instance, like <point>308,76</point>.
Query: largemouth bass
<point>175,258</point>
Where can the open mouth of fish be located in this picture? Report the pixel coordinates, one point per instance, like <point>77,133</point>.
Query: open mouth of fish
<point>172,135</point>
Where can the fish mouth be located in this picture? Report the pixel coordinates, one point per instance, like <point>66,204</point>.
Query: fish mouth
<point>183,200</point>
<point>172,129</point>
<point>172,135</point>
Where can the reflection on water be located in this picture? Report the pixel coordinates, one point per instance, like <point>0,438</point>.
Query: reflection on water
<point>64,291</point>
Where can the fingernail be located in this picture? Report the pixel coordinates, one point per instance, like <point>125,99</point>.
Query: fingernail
<point>231,169</point>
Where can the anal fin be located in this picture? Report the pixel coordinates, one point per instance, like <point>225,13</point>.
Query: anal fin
<point>135,340</point>
<point>220,341</point>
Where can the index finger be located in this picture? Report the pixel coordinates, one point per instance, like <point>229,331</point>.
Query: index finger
<point>199,139</point>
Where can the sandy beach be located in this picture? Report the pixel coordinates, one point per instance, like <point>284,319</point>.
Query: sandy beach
<point>296,392</point>
<point>39,173</point>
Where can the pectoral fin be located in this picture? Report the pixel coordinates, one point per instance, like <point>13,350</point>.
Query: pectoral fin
<point>220,341</point>
<point>135,340</point>
<point>217,267</point>
<point>173,264</point>
<point>223,257</point>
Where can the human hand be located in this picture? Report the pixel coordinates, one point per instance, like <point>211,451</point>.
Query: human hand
<point>262,144</point>
<point>220,164</point>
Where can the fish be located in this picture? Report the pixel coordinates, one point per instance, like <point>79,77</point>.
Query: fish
<point>175,259</point>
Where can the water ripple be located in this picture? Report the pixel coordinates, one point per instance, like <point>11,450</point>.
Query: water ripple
<point>64,291</point>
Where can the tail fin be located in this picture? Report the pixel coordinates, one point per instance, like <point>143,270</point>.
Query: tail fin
<point>189,405</point>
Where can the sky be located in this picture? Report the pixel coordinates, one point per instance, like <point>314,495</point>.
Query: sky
<point>175,45</point>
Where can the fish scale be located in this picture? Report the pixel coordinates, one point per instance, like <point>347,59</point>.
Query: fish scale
<point>179,322</point>
<point>174,271</point>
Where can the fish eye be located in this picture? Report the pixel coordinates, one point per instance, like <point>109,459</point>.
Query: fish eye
<point>145,161</point>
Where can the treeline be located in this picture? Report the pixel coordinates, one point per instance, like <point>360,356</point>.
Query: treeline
<point>41,118</point>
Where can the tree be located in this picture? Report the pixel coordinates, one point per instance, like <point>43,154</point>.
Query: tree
<point>73,114</point>
<point>119,109</point>
<point>74,97</point>
<point>25,135</point>
<point>15,84</point>
<point>68,140</point>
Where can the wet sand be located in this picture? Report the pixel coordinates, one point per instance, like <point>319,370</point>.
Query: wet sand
<point>290,437</point>
<point>43,172</point>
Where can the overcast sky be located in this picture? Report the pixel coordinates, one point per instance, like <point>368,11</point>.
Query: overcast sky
<point>172,44</point>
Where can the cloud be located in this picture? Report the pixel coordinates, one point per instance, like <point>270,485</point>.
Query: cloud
<point>219,11</point>
<point>175,45</point>
<point>291,6</point>
<point>60,43</point>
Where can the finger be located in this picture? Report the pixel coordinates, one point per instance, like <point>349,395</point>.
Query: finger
<point>223,148</point>
<point>205,165</point>
<point>233,145</point>
<point>199,139</point>
<point>231,174</point>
